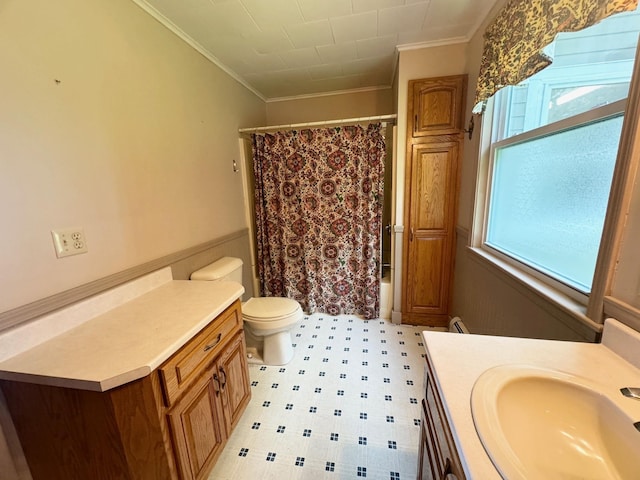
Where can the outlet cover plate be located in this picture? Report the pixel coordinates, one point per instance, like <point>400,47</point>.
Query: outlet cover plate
<point>69,241</point>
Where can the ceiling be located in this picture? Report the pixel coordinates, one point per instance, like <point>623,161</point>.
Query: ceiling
<point>288,48</point>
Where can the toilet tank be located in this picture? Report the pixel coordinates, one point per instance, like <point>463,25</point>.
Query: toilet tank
<point>227,268</point>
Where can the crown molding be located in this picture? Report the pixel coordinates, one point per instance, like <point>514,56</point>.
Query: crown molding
<point>199,48</point>
<point>329,94</point>
<point>435,43</point>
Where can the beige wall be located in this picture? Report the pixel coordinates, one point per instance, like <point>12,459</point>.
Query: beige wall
<point>363,103</point>
<point>112,123</point>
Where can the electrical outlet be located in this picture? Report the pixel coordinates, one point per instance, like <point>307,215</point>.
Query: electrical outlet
<point>69,241</point>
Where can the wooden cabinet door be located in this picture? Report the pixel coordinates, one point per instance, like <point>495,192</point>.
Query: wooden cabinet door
<point>434,140</point>
<point>443,455</point>
<point>197,426</point>
<point>437,105</point>
<point>234,376</point>
<point>428,468</point>
<point>430,220</point>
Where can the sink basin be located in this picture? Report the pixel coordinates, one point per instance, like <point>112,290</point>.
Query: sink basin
<point>544,424</point>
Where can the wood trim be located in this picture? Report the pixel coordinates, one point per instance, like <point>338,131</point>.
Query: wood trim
<point>622,311</point>
<point>24,313</point>
<point>624,175</point>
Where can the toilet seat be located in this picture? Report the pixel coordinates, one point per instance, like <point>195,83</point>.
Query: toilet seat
<point>271,312</point>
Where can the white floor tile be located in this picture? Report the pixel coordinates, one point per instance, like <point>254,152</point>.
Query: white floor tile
<point>346,406</point>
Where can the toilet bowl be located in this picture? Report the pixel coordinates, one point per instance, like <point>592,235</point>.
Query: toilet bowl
<point>268,321</point>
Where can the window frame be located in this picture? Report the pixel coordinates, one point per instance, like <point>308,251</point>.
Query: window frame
<point>598,114</point>
<point>588,309</point>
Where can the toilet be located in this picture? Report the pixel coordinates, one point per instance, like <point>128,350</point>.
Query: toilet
<point>268,321</point>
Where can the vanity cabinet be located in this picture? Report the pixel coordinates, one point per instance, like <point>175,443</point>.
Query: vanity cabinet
<point>170,424</point>
<point>206,386</point>
<point>205,415</point>
<point>438,458</point>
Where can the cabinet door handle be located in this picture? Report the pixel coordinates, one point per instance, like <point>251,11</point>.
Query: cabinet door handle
<point>217,384</point>
<point>448,474</point>
<point>411,236</point>
<point>415,123</point>
<point>224,378</point>
<point>212,345</point>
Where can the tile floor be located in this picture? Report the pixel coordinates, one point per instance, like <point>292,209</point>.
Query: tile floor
<point>346,406</point>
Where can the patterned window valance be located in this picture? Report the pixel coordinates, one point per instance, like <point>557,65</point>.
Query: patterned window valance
<point>514,41</point>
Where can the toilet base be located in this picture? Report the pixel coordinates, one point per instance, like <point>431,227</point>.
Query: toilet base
<point>278,349</point>
<point>274,349</point>
<point>254,357</point>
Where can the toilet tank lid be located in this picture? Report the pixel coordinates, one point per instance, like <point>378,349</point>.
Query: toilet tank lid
<point>218,269</point>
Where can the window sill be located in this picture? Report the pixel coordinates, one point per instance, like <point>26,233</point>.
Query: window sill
<point>538,291</point>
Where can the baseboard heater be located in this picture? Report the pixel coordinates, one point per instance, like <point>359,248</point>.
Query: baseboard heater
<point>456,325</point>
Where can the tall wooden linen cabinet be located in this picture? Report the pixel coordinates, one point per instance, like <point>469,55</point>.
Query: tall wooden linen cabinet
<point>435,130</point>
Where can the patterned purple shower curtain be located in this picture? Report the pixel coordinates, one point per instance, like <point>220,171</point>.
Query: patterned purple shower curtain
<point>318,203</point>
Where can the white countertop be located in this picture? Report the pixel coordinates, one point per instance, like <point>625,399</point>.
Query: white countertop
<point>458,361</point>
<point>126,343</point>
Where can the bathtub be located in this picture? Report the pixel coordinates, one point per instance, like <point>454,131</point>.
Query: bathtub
<point>386,295</point>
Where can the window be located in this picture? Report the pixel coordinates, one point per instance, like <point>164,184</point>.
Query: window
<point>554,142</point>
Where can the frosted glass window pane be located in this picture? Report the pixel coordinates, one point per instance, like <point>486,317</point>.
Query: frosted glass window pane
<point>549,198</point>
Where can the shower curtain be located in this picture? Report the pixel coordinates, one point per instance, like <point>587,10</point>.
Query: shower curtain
<point>318,203</point>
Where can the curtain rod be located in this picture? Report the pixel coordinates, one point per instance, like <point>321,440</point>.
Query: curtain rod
<point>320,124</point>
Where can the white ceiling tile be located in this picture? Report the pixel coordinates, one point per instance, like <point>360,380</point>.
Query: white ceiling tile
<point>343,52</point>
<point>282,83</point>
<point>324,9</point>
<point>363,66</point>
<point>310,34</point>
<point>289,75</point>
<point>457,12</point>
<point>268,13</point>
<point>360,6</point>
<point>301,57</point>
<point>401,19</point>
<point>376,47</point>
<point>198,18</point>
<point>440,34</point>
<point>270,41</point>
<point>382,77</point>
<point>228,49</point>
<point>338,83</point>
<point>354,27</point>
<point>415,36</point>
<point>325,71</point>
<point>262,63</point>
<point>290,47</point>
